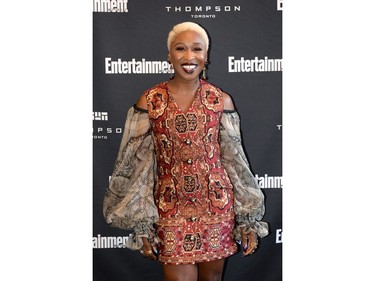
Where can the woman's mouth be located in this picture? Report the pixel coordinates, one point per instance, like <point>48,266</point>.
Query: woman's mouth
<point>189,68</point>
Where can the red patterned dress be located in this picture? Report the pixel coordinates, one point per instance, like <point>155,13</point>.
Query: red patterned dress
<point>187,174</point>
<point>193,194</point>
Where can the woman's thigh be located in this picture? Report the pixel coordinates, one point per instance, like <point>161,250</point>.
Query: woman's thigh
<point>205,271</point>
<point>182,272</point>
<point>211,271</point>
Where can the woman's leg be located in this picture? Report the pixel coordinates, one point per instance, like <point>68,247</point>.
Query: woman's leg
<point>183,272</point>
<point>205,271</point>
<point>211,271</point>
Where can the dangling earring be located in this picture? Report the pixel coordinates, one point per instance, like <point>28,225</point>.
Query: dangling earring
<point>204,77</point>
<point>171,71</point>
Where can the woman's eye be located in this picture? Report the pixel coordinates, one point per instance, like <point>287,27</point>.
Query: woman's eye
<point>179,48</point>
<point>198,49</point>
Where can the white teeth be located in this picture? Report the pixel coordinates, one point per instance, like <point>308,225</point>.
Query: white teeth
<point>189,67</point>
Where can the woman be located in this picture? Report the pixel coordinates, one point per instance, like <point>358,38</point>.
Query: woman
<point>181,181</point>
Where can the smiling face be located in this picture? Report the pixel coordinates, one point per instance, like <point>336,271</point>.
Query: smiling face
<point>188,55</point>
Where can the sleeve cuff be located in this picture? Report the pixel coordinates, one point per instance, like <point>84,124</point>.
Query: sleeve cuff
<point>249,224</point>
<point>135,241</point>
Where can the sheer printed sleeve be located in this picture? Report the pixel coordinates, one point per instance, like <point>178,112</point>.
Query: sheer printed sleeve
<point>248,197</point>
<point>129,202</point>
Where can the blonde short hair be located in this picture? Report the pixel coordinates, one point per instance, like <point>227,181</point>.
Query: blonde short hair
<point>184,26</point>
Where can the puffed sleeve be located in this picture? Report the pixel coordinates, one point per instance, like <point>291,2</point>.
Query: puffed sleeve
<point>129,202</point>
<point>248,197</point>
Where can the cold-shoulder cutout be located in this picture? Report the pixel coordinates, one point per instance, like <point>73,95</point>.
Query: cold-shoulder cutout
<point>228,103</point>
<point>142,103</point>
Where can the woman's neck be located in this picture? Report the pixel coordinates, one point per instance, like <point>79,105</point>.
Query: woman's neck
<point>183,87</point>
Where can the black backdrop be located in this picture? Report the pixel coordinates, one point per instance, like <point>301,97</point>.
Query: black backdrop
<point>247,31</point>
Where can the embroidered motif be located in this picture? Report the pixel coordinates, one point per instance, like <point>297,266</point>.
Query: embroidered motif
<point>192,121</point>
<point>215,238</point>
<point>170,241</point>
<point>189,242</point>
<point>157,102</point>
<point>212,99</point>
<point>190,211</point>
<point>198,240</point>
<point>208,139</point>
<point>218,192</point>
<point>180,123</point>
<point>167,197</point>
<point>166,148</point>
<point>190,183</point>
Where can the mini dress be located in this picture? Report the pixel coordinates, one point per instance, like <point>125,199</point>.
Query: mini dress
<point>193,193</point>
<point>182,179</point>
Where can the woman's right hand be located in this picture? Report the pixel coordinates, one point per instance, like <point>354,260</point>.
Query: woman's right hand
<point>148,250</point>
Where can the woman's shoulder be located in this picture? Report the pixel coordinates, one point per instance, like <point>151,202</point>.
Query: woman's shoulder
<point>142,100</point>
<point>228,102</point>
<point>227,99</point>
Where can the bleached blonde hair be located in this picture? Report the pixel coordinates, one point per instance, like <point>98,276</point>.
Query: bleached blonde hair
<point>184,26</point>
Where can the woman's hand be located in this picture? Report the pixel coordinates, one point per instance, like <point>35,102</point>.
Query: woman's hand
<point>249,242</point>
<point>148,250</point>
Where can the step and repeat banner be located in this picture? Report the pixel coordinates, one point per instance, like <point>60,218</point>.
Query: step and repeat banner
<point>245,60</point>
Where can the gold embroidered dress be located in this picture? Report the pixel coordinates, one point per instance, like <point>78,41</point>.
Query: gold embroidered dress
<point>182,180</point>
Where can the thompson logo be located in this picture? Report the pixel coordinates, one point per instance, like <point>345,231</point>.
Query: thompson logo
<point>111,6</point>
<point>203,11</point>
<point>102,133</point>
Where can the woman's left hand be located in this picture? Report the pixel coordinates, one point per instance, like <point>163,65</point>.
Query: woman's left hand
<point>148,250</point>
<point>249,242</point>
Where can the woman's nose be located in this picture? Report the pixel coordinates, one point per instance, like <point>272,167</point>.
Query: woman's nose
<point>189,55</point>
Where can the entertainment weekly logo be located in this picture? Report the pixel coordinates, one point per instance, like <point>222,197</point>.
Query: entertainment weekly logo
<point>143,66</point>
<point>267,181</point>
<point>255,64</point>
<point>279,5</point>
<point>109,242</point>
<point>111,6</point>
<point>134,66</point>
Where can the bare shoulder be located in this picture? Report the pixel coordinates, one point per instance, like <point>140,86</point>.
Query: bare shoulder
<point>228,102</point>
<point>142,102</point>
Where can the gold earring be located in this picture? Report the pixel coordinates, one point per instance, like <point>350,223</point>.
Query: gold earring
<point>204,77</point>
<point>171,71</point>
